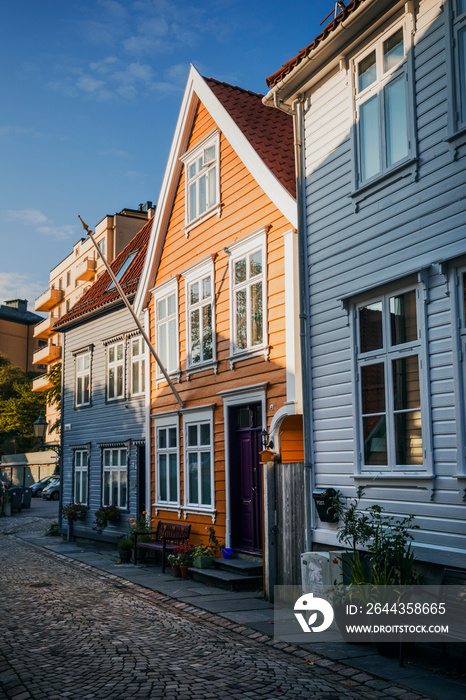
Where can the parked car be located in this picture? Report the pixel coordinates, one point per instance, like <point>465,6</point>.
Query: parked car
<point>52,490</point>
<point>39,486</point>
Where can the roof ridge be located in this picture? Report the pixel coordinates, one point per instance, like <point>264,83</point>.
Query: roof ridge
<point>234,87</point>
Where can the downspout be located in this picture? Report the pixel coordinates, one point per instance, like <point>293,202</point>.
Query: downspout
<point>304,331</point>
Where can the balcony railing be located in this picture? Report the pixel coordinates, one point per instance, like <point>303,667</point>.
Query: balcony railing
<point>48,299</point>
<point>41,383</point>
<point>44,328</point>
<point>86,270</point>
<point>47,354</point>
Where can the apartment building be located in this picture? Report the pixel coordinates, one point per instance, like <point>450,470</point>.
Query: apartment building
<point>17,339</point>
<point>72,278</point>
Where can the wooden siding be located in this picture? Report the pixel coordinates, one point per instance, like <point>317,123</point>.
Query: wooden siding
<point>357,241</point>
<point>245,210</point>
<point>292,440</point>
<point>102,421</point>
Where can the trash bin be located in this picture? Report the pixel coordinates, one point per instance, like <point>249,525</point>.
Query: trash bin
<point>16,498</point>
<point>27,495</point>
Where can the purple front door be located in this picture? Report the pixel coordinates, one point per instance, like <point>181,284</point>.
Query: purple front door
<point>246,477</point>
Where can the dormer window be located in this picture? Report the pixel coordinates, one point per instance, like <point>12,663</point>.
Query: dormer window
<point>124,268</point>
<point>202,180</point>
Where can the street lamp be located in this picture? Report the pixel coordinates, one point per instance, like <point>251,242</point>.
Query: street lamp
<point>40,428</point>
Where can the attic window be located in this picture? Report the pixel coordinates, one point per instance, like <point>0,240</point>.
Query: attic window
<point>127,263</point>
<point>202,180</point>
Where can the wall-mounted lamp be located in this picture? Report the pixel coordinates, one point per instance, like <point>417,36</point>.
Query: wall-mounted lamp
<point>40,429</point>
<point>266,443</point>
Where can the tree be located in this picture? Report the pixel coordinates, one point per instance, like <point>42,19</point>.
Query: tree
<point>19,407</point>
<point>54,394</point>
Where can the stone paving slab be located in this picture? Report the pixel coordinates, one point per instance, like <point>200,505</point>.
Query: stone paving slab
<point>228,605</point>
<point>245,617</point>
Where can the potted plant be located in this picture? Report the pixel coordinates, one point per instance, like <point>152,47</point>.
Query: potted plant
<point>185,553</point>
<point>204,554</point>
<point>125,546</point>
<point>174,562</point>
<point>74,511</point>
<point>142,526</point>
<point>105,515</point>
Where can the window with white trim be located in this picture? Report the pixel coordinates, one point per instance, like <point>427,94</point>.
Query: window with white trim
<point>459,44</point>
<point>83,379</point>
<point>200,296</point>
<point>384,119</point>
<point>81,476</point>
<point>166,315</point>
<point>389,379</point>
<point>168,473</point>
<point>137,365</point>
<point>116,371</point>
<point>202,179</point>
<point>247,275</point>
<point>115,477</point>
<point>199,460</point>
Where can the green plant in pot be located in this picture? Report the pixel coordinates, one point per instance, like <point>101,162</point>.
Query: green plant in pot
<point>105,515</point>
<point>174,562</point>
<point>125,547</point>
<point>204,554</point>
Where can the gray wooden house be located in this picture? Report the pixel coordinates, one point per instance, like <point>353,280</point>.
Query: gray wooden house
<point>379,102</point>
<point>104,398</point>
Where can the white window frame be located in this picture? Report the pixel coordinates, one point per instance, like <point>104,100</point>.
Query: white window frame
<point>82,374</point>
<point>119,469</point>
<point>244,249</point>
<point>191,419</point>
<point>386,355</point>
<point>79,470</point>
<point>213,180</point>
<point>167,423</point>
<point>116,364</point>
<point>403,70</point>
<point>164,292</point>
<point>197,275</point>
<point>138,364</point>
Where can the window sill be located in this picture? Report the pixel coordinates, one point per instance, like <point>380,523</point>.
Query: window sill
<point>455,135</point>
<point>248,354</point>
<point>176,375</point>
<point>185,511</point>
<point>379,182</point>
<point>424,481</point>
<point>195,369</point>
<point>217,209</point>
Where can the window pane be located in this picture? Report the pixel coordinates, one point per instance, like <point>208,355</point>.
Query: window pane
<point>107,458</point>
<point>255,264</point>
<point>85,459</point>
<point>396,126</point>
<point>135,347</point>
<point>241,319</point>
<point>240,271</point>
<point>192,435</point>
<point>86,388</point>
<point>171,304</point>
<point>193,479</point>
<point>162,309</point>
<point>209,154</point>
<point>120,380</point>
<point>123,458</point>
<point>370,327</point>
<point>111,383</point>
<point>111,354</point>
<point>462,69</point>
<point>87,361</point>
<point>79,390</point>
<point>79,364</point>
<point>78,459</point>
<point>393,50</point>
<point>173,476</point>
<point>135,378</point>
<point>403,319</point>
<point>205,434</point>
<point>84,488</point>
<point>206,288</point>
<point>369,139</point>
<point>256,313</point>
<point>172,437</point>
<point>195,337</point>
<point>163,477</point>
<point>106,488</point>
<point>212,177</point>
<point>375,440</point>
<point>163,354</point>
<point>373,388</point>
<point>194,296</point>
<point>173,360</point>
<point>192,169</point>
<point>367,71</point>
<point>119,352</point>
<point>406,390</point>
<point>206,497</point>
<point>114,488</point>
<point>77,487</point>
<point>162,438</point>
<point>408,438</point>
<point>115,456</point>
<point>202,194</point>
<point>123,488</point>
<point>207,332</point>
<point>192,201</point>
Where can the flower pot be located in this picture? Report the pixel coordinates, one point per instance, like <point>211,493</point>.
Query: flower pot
<point>204,562</point>
<point>227,552</point>
<point>184,570</point>
<point>176,570</point>
<point>125,556</point>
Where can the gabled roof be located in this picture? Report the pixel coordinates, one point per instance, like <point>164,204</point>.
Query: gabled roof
<point>287,67</point>
<point>261,137</point>
<point>99,296</point>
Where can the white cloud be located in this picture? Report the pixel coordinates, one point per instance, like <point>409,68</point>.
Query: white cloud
<point>89,84</point>
<point>58,232</point>
<point>115,152</point>
<point>19,131</point>
<point>29,217</point>
<point>16,285</point>
<point>104,66</point>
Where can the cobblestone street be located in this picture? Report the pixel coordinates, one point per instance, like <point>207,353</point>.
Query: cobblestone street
<point>71,631</point>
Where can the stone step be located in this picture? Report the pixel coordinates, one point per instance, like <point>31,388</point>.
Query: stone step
<point>244,567</point>
<point>226,579</point>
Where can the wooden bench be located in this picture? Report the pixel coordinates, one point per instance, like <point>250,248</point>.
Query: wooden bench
<point>164,539</point>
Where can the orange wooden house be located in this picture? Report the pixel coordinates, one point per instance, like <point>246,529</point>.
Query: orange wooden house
<point>220,289</point>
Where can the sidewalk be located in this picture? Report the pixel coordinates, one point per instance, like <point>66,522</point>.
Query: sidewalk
<point>425,673</point>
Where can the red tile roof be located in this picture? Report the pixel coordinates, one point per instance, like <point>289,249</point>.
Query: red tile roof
<point>269,131</point>
<point>334,24</point>
<point>97,297</point>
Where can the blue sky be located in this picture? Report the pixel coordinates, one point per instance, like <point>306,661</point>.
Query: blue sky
<point>90,96</point>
